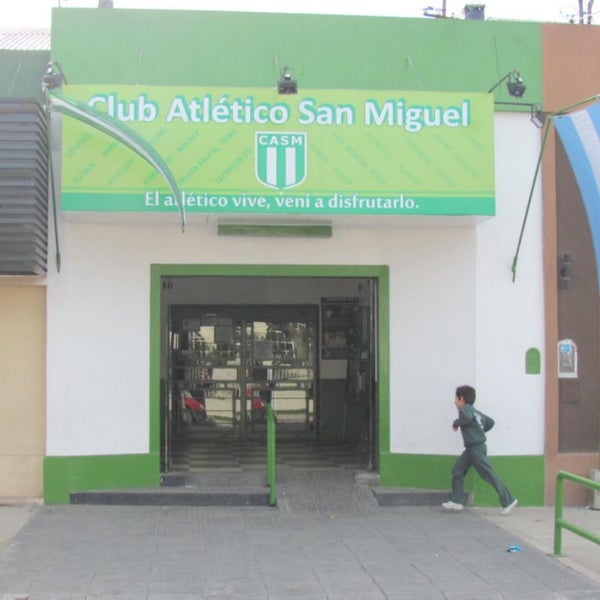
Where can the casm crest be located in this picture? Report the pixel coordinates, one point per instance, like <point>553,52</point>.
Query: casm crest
<point>280,159</point>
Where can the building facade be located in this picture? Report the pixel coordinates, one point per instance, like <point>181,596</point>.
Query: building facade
<point>346,249</point>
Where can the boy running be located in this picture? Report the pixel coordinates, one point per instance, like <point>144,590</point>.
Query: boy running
<point>473,425</point>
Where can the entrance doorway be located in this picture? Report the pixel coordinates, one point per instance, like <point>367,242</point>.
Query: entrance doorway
<point>315,361</point>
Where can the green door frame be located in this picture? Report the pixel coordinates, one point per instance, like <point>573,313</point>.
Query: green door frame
<point>378,272</point>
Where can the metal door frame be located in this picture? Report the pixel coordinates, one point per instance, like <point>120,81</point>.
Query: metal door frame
<point>381,373</point>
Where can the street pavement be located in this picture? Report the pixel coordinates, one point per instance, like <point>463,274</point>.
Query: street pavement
<point>536,526</point>
<point>327,538</point>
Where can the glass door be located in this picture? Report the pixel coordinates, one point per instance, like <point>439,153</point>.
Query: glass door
<point>279,357</point>
<point>206,359</point>
<point>227,363</point>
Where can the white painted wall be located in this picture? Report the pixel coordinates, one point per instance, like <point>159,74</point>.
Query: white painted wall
<point>510,316</point>
<point>456,317</point>
<point>433,336</point>
<point>475,324</point>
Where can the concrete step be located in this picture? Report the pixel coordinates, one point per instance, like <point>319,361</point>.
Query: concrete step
<point>210,488</point>
<point>244,488</point>
<point>175,496</point>
<point>215,478</point>
<point>390,496</point>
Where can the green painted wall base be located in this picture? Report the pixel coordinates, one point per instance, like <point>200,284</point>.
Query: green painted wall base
<point>524,475</point>
<point>65,474</point>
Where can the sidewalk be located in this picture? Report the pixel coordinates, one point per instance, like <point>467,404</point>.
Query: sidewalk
<point>536,526</point>
<point>13,517</point>
<point>326,539</point>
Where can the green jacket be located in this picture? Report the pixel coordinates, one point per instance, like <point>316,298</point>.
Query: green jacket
<point>473,425</point>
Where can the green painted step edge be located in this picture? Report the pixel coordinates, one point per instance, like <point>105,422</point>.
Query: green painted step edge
<point>524,476</point>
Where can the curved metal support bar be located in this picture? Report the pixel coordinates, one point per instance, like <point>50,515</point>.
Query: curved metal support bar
<point>121,133</point>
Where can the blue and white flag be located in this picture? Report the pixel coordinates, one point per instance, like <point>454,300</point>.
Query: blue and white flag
<point>580,136</point>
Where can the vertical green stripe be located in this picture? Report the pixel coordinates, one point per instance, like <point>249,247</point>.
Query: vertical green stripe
<point>155,352</point>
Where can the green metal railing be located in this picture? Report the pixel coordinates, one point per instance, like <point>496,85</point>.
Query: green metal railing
<point>559,522</point>
<point>271,455</point>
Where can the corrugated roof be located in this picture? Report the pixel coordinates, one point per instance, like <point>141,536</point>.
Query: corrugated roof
<point>33,39</point>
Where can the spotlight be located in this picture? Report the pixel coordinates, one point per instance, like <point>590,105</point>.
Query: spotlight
<point>538,117</point>
<point>54,77</point>
<point>515,85</point>
<point>516,88</point>
<point>287,85</point>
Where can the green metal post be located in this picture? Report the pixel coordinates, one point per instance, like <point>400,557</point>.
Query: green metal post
<point>558,512</point>
<point>271,455</point>
<point>559,522</point>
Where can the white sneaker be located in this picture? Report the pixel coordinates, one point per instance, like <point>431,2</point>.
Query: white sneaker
<point>452,505</point>
<point>507,509</point>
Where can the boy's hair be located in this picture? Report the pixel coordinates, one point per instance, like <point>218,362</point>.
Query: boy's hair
<point>467,393</point>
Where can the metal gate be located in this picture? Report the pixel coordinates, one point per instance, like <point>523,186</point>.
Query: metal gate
<point>226,363</point>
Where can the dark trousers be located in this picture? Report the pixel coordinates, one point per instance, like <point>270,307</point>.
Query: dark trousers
<point>476,456</point>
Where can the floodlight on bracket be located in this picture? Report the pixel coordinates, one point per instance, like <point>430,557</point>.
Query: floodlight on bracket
<point>286,84</point>
<point>537,115</point>
<point>54,76</point>
<point>514,83</point>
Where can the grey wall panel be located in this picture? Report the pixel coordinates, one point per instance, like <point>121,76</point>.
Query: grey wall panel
<point>23,188</point>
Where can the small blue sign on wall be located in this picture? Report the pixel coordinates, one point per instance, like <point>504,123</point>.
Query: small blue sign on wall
<point>567,359</point>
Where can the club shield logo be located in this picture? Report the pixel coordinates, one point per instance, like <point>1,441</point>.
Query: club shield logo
<point>280,159</point>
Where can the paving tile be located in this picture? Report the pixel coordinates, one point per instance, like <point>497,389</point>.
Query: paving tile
<point>326,539</point>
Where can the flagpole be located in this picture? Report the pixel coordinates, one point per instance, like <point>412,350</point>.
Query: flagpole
<point>521,233</point>
<point>537,170</point>
<point>572,106</point>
